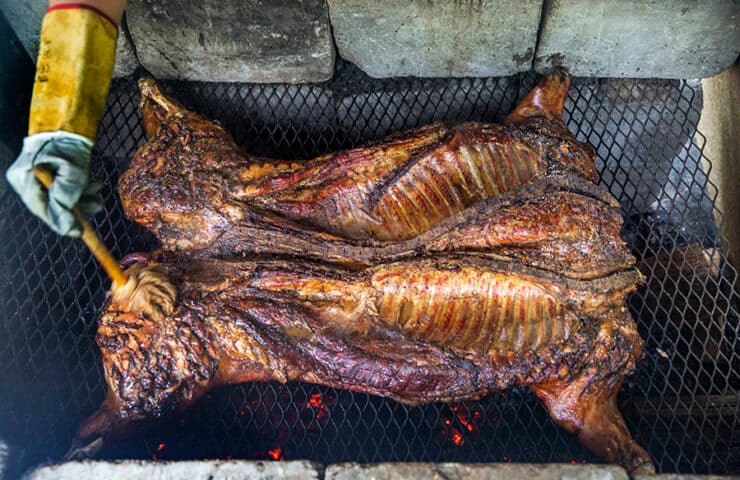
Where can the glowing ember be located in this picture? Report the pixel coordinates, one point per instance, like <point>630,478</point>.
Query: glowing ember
<point>160,447</point>
<point>275,454</point>
<point>465,418</point>
<point>315,401</point>
<point>279,420</point>
<point>456,437</point>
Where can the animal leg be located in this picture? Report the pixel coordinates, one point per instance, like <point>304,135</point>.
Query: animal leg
<point>589,410</point>
<point>546,99</point>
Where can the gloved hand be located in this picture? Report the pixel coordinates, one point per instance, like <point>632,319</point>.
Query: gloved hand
<point>74,67</point>
<point>68,156</point>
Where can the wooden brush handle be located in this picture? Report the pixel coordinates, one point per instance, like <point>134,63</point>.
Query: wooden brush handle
<point>91,239</point>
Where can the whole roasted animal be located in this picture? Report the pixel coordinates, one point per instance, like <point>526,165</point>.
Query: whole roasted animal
<point>438,265</point>
<point>523,190</point>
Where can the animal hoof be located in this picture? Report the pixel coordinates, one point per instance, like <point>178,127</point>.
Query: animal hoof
<point>79,450</point>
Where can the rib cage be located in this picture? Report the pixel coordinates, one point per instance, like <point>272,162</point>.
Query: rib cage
<point>471,310</point>
<point>446,182</point>
<point>381,194</point>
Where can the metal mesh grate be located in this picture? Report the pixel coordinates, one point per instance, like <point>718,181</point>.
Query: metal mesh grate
<point>681,404</point>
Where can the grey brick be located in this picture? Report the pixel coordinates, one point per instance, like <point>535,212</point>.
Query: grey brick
<point>682,476</point>
<point>192,470</point>
<point>233,40</point>
<point>634,38</point>
<point>387,38</point>
<point>25,17</point>
<point>462,471</point>
<point>126,61</point>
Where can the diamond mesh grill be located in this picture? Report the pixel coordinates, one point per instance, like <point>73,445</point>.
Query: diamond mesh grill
<point>681,404</point>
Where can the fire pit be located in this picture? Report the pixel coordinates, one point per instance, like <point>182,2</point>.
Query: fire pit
<point>681,404</point>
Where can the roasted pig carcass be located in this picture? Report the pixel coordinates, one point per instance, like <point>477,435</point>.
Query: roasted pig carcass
<point>418,331</point>
<point>433,189</point>
<point>437,265</point>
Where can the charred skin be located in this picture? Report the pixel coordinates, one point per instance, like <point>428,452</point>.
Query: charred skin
<point>455,261</point>
<point>192,187</point>
<point>419,331</point>
<point>539,225</point>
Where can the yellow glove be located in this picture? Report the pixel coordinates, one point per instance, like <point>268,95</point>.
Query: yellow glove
<point>75,64</point>
<point>74,68</point>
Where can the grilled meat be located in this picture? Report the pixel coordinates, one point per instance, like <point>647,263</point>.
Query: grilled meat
<point>437,265</point>
<point>418,331</point>
<point>420,191</point>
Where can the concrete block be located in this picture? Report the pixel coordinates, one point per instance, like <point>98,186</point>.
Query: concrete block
<point>684,476</point>
<point>233,40</point>
<point>634,38</point>
<point>423,38</point>
<point>25,17</point>
<point>462,471</point>
<point>192,470</point>
<point>126,61</point>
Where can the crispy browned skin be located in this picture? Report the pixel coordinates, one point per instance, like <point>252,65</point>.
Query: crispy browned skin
<point>419,191</point>
<point>454,262</point>
<point>443,329</point>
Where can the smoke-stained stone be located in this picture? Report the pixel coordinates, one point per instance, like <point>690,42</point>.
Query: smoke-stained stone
<point>683,476</point>
<point>126,61</point>
<point>462,471</point>
<point>436,39</point>
<point>192,470</point>
<point>634,38</point>
<point>233,40</point>
<point>25,17</point>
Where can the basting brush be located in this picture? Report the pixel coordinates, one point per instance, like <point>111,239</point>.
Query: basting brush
<point>141,288</point>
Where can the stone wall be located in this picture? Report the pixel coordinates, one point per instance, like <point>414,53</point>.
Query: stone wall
<point>302,470</point>
<point>233,41</point>
<point>294,41</point>
<point>436,39</point>
<point>635,38</point>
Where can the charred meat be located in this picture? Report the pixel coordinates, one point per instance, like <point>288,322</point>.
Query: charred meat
<point>418,331</point>
<point>439,264</point>
<point>521,188</point>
